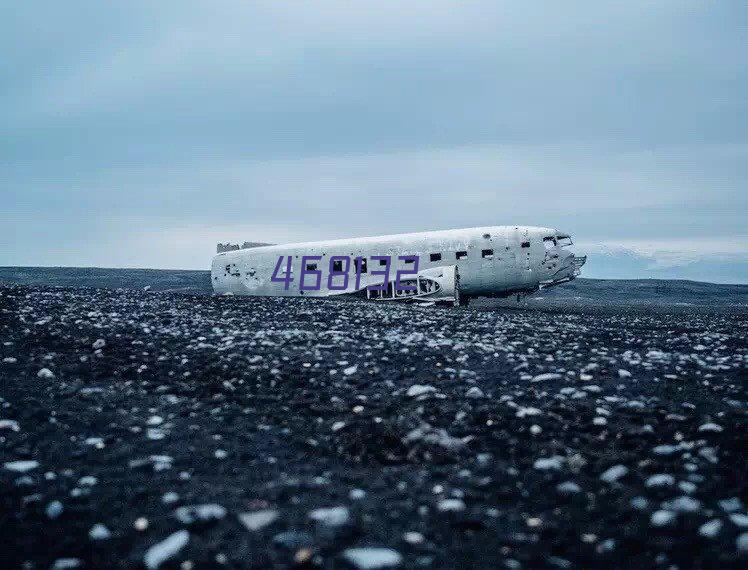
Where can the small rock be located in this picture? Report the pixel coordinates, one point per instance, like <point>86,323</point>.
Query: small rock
<point>660,480</point>
<point>419,389</point>
<point>257,520</point>
<point>623,373</point>
<point>413,537</point>
<point>710,427</point>
<point>369,558</point>
<point>9,424</point>
<point>662,518</point>
<point>568,488</point>
<point>166,549</point>
<point>554,463</point>
<point>333,516</point>
<point>292,540</point>
<point>684,505</point>
<point>141,524</point>
<point>474,393</point>
<point>208,512</point>
<point>451,505</point>
<point>21,466</point>
<point>66,564</point>
<point>731,505</point>
<point>741,543</point>
<point>710,529</point>
<point>545,377</point>
<point>99,532</point>
<point>614,473</point>
<point>45,374</point>
<point>169,498</point>
<point>100,343</point>
<point>54,509</point>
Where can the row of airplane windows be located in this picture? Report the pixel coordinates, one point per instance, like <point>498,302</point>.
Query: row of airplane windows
<point>433,258</point>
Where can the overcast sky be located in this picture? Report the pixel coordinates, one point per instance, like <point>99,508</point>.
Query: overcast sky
<point>140,133</point>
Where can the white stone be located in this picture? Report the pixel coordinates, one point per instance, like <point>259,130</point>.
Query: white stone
<point>66,564</point>
<point>99,532</point>
<point>166,549</point>
<point>369,558</point>
<point>54,509</point>
<point>554,463</point>
<point>333,516</point>
<point>662,518</point>
<point>169,498</point>
<point>45,374</point>
<point>474,392</point>
<point>100,343</point>
<point>419,389</point>
<point>731,505</point>
<point>710,427</point>
<point>413,537</point>
<point>207,512</point>
<point>451,505</point>
<point>546,376</point>
<point>21,466</point>
<point>660,480</point>
<point>9,424</point>
<point>710,529</point>
<point>741,543</point>
<point>684,505</point>
<point>614,473</point>
<point>568,488</point>
<point>257,520</point>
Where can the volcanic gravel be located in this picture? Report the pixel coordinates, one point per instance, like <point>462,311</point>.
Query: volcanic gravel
<point>167,430</point>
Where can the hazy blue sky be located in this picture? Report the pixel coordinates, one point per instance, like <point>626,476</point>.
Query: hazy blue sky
<point>140,133</point>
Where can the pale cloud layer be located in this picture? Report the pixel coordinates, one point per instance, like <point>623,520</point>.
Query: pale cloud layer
<point>139,134</point>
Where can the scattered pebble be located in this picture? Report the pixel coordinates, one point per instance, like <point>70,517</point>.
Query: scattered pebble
<point>257,520</point>
<point>370,558</point>
<point>166,549</point>
<point>614,473</point>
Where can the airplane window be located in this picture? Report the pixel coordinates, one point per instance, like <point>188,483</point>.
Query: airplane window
<point>382,262</point>
<point>361,260</point>
<point>337,265</point>
<point>525,244</point>
<point>435,257</point>
<point>409,261</point>
<point>461,255</point>
<point>487,253</point>
<point>311,266</point>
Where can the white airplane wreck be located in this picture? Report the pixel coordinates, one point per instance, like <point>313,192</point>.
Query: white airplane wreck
<point>449,266</point>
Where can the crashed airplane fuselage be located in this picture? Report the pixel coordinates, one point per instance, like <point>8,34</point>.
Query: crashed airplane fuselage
<point>442,266</point>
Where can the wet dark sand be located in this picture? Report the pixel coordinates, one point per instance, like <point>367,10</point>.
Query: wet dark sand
<point>301,430</point>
